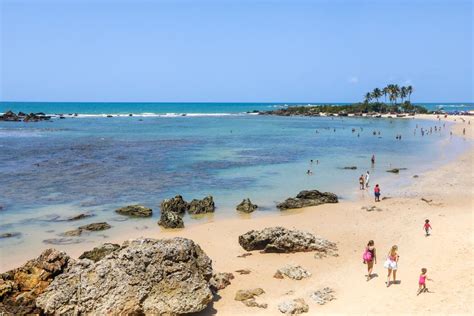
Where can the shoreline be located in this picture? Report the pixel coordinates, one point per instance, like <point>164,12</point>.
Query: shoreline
<point>399,222</point>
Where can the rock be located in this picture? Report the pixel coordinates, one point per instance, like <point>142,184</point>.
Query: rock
<point>10,235</point>
<point>426,200</point>
<point>323,296</point>
<point>294,272</point>
<point>246,206</point>
<point>205,205</point>
<point>293,307</point>
<point>96,226</point>
<point>220,281</point>
<point>243,271</point>
<point>73,233</point>
<point>350,168</point>
<point>396,170</point>
<point>253,303</point>
<point>308,198</point>
<point>100,252</point>
<point>10,117</point>
<point>279,239</point>
<point>135,210</point>
<point>170,220</point>
<point>20,287</point>
<point>145,276</point>
<point>244,255</point>
<point>371,208</point>
<point>243,295</point>
<point>415,176</point>
<point>176,205</point>
<point>79,217</point>
<point>63,241</point>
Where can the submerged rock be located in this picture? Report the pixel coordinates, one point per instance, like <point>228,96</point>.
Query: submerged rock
<point>170,220</point>
<point>63,241</point>
<point>293,307</point>
<point>308,198</point>
<point>79,217</point>
<point>176,205</point>
<point>100,252</point>
<point>246,206</point>
<point>350,168</point>
<point>280,239</point>
<point>135,210</point>
<point>294,272</point>
<point>95,226</point>
<point>396,170</point>
<point>205,205</point>
<point>10,235</point>
<point>145,276</point>
<point>20,287</point>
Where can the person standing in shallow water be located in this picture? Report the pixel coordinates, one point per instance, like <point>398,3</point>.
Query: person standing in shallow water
<point>367,178</point>
<point>370,258</point>
<point>373,159</point>
<point>361,182</point>
<point>391,264</point>
<point>377,193</point>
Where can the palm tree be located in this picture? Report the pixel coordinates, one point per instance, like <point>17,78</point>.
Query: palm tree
<point>376,94</point>
<point>368,97</point>
<point>403,93</point>
<point>385,91</point>
<point>409,91</point>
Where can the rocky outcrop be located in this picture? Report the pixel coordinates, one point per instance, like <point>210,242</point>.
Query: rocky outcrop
<point>20,287</point>
<point>293,307</point>
<point>170,219</point>
<point>10,235</point>
<point>145,276</point>
<point>79,217</point>
<point>396,170</point>
<point>176,205</point>
<point>308,198</point>
<point>246,206</point>
<point>220,281</point>
<point>247,297</point>
<point>350,168</point>
<point>9,116</point>
<point>294,272</point>
<point>205,205</point>
<point>89,227</point>
<point>280,239</point>
<point>323,296</point>
<point>100,252</point>
<point>135,211</point>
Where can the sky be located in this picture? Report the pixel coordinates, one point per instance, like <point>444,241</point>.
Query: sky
<point>234,51</point>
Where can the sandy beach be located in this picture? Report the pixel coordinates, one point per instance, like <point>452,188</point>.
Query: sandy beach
<point>447,253</point>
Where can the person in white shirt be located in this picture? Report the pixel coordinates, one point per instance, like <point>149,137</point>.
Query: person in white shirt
<point>367,176</point>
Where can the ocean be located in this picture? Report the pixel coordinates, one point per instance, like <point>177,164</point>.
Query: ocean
<point>92,164</point>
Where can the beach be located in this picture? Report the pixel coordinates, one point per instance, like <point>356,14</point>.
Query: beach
<point>447,253</point>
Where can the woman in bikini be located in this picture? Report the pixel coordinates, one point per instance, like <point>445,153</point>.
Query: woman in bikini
<point>392,264</point>
<point>370,258</point>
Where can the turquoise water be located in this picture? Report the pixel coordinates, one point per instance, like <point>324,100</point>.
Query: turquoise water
<point>51,170</point>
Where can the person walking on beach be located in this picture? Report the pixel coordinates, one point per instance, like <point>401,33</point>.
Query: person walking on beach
<point>377,193</point>
<point>422,281</point>
<point>391,264</point>
<point>373,159</point>
<point>427,227</point>
<point>361,182</point>
<point>370,258</point>
<point>367,177</point>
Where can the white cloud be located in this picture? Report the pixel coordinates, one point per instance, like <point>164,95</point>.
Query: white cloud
<point>353,80</point>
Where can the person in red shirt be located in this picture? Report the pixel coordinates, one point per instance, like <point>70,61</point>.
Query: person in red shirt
<point>377,193</point>
<point>427,227</point>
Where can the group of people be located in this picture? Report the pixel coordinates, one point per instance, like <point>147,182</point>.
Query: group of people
<point>369,258</point>
<point>364,184</point>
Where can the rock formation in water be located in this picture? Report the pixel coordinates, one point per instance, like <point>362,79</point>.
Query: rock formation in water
<point>176,205</point>
<point>135,211</point>
<point>280,239</point>
<point>246,206</point>
<point>20,287</point>
<point>145,276</point>
<point>169,219</point>
<point>9,116</point>
<point>308,198</point>
<point>205,205</point>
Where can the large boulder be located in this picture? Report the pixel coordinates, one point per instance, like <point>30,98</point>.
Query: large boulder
<point>205,205</point>
<point>100,252</point>
<point>145,276</point>
<point>246,206</point>
<point>177,205</point>
<point>135,210</point>
<point>170,219</point>
<point>308,198</point>
<point>280,239</point>
<point>20,287</point>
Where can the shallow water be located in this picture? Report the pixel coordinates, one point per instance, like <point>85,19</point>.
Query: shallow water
<point>52,170</point>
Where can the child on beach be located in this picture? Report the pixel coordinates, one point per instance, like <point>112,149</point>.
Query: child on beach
<point>427,227</point>
<point>369,257</point>
<point>377,193</point>
<point>361,182</point>
<point>422,281</point>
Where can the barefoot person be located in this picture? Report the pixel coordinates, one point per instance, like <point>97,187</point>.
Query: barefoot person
<point>391,264</point>
<point>370,258</point>
<point>422,281</point>
<point>361,182</point>
<point>377,193</point>
<point>427,227</point>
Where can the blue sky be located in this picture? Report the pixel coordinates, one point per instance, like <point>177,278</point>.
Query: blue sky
<point>235,51</point>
